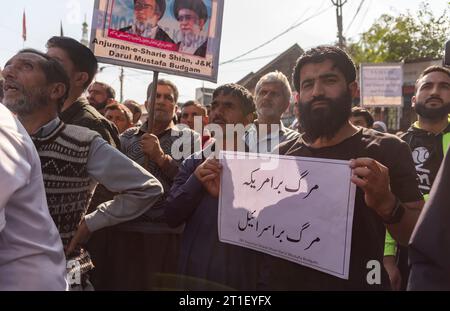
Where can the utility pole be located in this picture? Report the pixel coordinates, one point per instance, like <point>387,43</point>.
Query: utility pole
<point>339,4</point>
<point>121,78</point>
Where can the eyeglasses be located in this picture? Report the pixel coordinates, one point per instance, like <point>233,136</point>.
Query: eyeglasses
<point>165,96</point>
<point>186,18</point>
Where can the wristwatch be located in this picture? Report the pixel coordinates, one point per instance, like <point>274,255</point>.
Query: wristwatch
<point>396,214</point>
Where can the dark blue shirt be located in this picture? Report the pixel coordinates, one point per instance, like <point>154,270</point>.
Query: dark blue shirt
<point>205,262</point>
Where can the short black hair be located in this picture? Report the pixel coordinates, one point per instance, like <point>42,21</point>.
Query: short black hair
<point>133,106</point>
<point>164,82</point>
<point>122,108</point>
<point>429,70</point>
<point>339,57</point>
<point>362,112</point>
<point>82,57</point>
<point>194,5</point>
<point>195,104</point>
<point>247,101</point>
<point>53,71</point>
<point>110,92</point>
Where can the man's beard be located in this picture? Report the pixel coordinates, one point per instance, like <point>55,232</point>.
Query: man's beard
<point>325,121</point>
<point>193,37</point>
<point>143,28</point>
<point>432,113</point>
<point>100,106</point>
<point>27,103</point>
<point>163,117</point>
<point>268,111</point>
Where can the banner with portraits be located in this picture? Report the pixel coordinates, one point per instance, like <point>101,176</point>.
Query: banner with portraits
<point>179,37</point>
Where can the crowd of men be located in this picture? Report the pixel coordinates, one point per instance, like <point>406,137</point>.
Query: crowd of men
<point>93,197</point>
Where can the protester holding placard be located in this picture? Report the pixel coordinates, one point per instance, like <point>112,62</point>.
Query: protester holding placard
<point>146,249</point>
<point>387,195</point>
<point>205,262</point>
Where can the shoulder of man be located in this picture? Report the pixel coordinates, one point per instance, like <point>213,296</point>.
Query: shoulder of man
<point>290,134</point>
<point>372,138</point>
<point>130,133</point>
<point>161,35</point>
<point>80,133</point>
<point>201,51</point>
<point>286,146</point>
<point>89,117</point>
<point>127,29</point>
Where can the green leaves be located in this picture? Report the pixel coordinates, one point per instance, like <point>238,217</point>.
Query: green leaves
<point>405,37</point>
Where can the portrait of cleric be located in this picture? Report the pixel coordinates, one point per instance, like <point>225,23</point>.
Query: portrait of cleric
<point>192,17</point>
<point>146,17</point>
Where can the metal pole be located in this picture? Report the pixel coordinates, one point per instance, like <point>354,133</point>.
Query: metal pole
<point>121,78</point>
<point>339,4</point>
<point>151,111</point>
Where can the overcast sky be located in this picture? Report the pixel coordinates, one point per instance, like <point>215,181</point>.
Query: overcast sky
<point>246,24</point>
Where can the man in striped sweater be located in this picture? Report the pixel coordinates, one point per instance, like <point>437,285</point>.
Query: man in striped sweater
<point>74,160</point>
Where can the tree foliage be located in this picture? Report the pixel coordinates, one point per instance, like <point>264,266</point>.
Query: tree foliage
<point>406,37</point>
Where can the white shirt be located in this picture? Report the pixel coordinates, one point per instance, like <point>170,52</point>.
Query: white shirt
<point>2,219</point>
<point>31,252</point>
<point>259,141</point>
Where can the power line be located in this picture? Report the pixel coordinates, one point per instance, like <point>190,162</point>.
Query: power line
<point>276,37</point>
<point>255,58</point>
<point>339,4</point>
<point>364,15</point>
<point>356,14</point>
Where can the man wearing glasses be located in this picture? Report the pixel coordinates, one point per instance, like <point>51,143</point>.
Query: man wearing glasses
<point>192,16</point>
<point>147,14</point>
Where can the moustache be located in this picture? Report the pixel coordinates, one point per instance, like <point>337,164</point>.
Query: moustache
<point>8,84</point>
<point>328,101</point>
<point>433,98</point>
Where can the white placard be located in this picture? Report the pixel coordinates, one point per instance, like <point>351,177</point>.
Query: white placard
<point>381,85</point>
<point>298,209</point>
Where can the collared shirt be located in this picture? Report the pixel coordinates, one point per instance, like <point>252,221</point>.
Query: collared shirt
<point>81,113</point>
<point>31,252</point>
<point>175,142</point>
<point>207,263</point>
<point>138,190</point>
<point>260,142</point>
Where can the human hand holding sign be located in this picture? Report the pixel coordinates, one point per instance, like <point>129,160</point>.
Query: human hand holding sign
<point>152,149</point>
<point>373,178</point>
<point>208,173</point>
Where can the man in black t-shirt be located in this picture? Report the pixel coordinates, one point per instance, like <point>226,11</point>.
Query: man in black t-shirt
<point>387,195</point>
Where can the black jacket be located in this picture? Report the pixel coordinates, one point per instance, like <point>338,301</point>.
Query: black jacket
<point>427,152</point>
<point>81,113</point>
<point>429,250</point>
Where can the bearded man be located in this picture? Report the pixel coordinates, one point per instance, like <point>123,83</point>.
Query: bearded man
<point>387,195</point>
